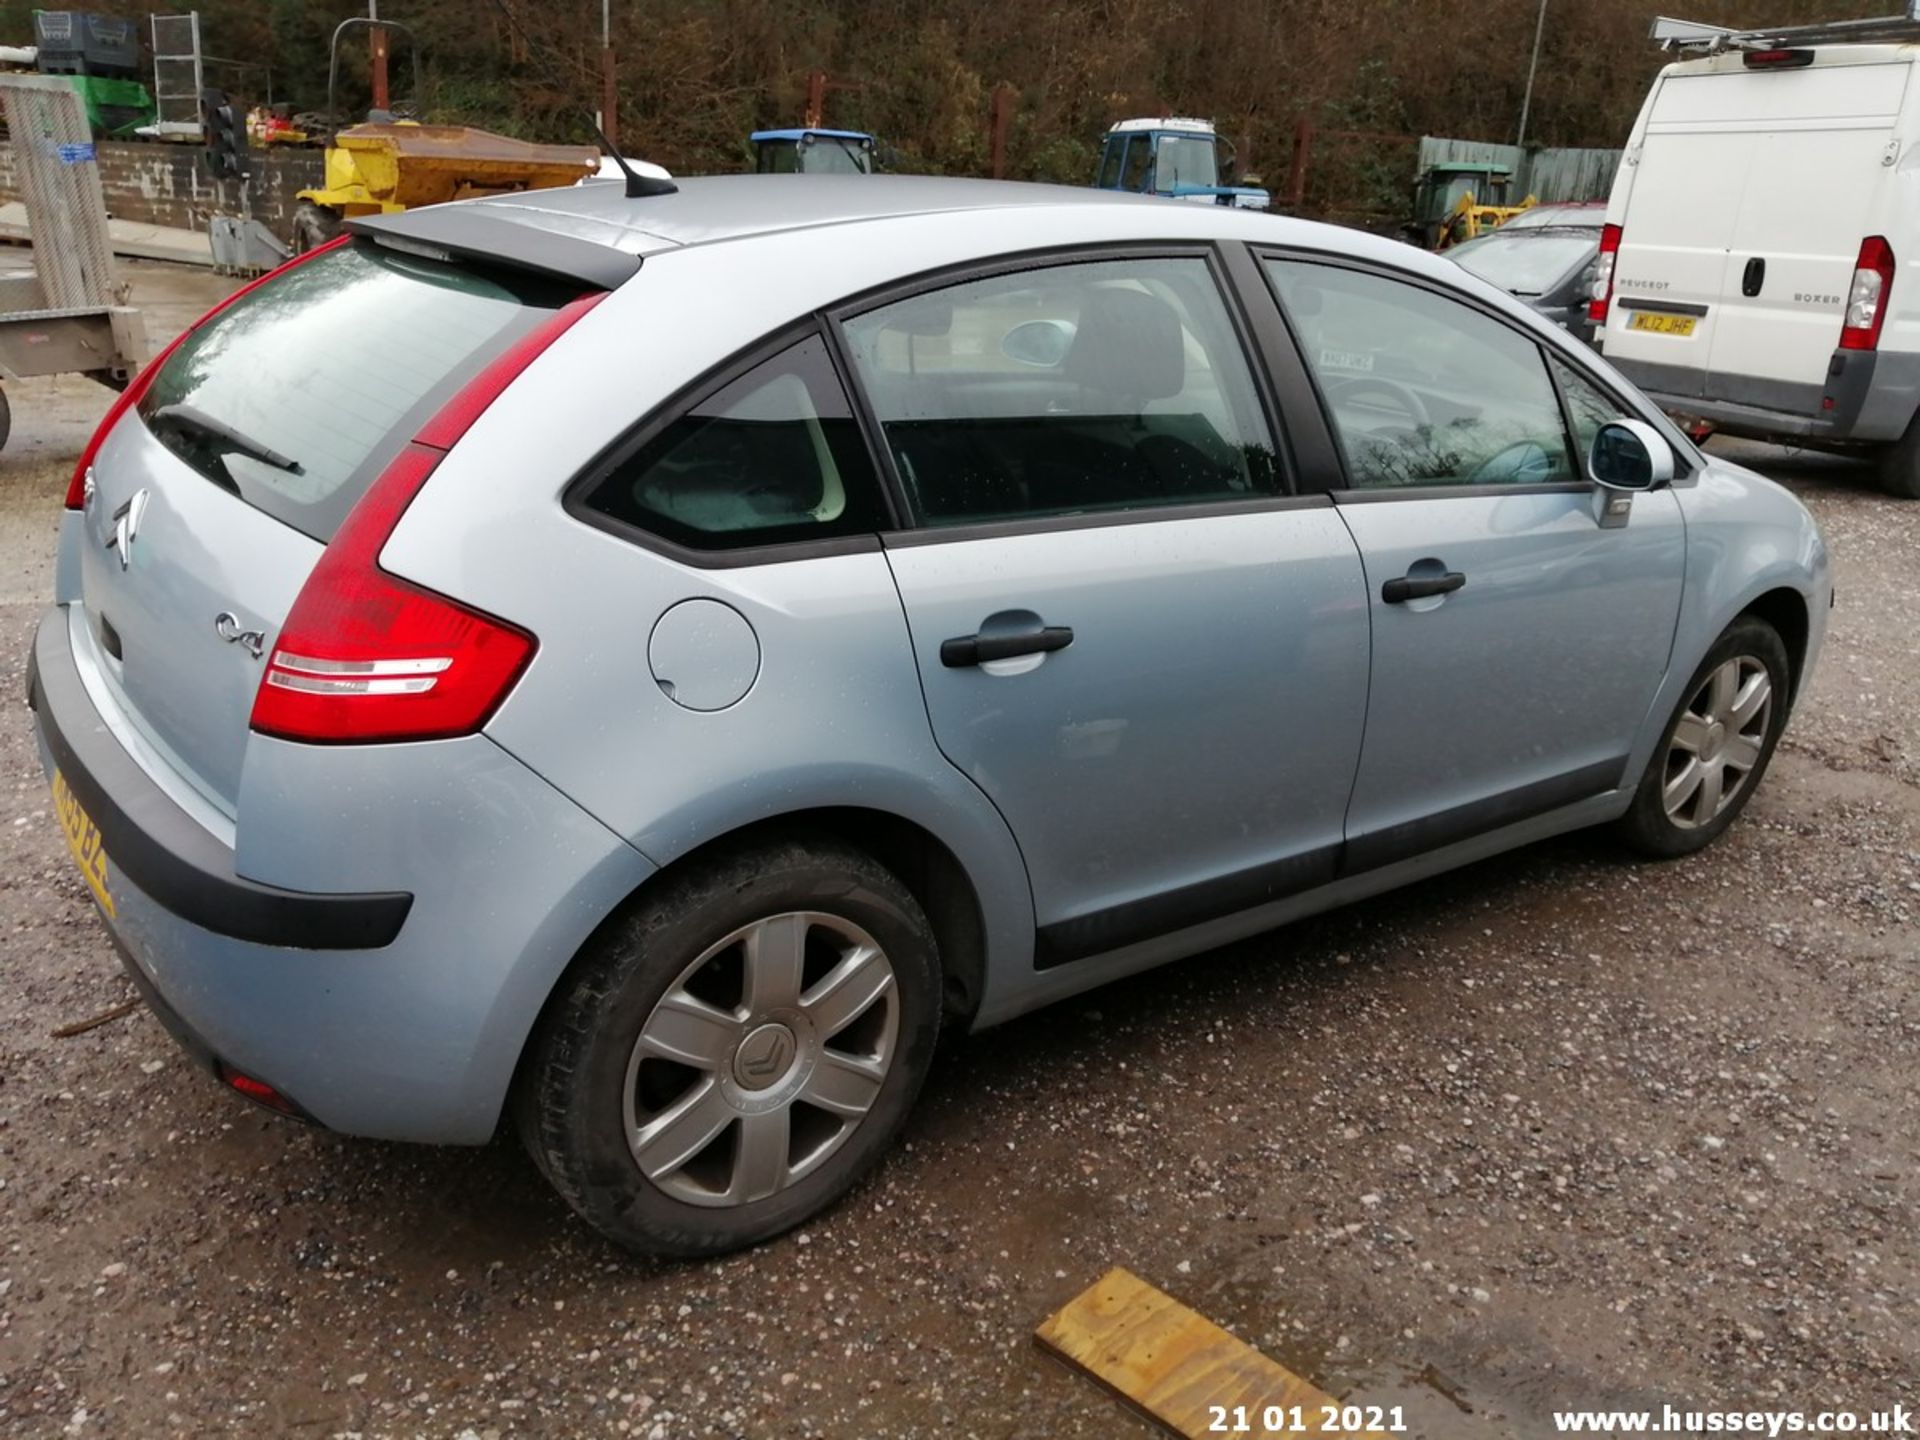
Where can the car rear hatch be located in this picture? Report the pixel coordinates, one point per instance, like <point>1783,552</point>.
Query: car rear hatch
<point>211,500</point>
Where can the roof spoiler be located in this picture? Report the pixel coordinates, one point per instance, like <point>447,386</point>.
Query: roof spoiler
<point>1689,35</point>
<point>471,232</point>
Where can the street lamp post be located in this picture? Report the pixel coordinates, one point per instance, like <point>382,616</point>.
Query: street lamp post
<point>1526,100</point>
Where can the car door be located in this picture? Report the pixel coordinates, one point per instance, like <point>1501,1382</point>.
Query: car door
<point>1519,630</point>
<point>1149,655</point>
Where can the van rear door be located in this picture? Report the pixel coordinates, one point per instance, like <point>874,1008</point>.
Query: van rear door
<point>1687,182</point>
<point>1814,191</point>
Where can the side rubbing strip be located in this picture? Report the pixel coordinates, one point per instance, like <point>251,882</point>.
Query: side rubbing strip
<point>1430,832</point>
<point>1104,930</point>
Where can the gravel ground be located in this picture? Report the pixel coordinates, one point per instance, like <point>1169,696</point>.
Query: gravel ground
<point>1556,1130</point>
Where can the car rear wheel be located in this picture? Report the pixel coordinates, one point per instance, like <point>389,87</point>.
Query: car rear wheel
<point>1717,745</point>
<point>735,1052</point>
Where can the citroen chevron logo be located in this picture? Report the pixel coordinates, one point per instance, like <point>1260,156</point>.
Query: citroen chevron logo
<point>126,527</point>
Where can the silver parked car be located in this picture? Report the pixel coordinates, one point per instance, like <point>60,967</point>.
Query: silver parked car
<point>638,665</point>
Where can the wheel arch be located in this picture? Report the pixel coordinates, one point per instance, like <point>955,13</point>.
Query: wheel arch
<point>920,859</point>
<point>1785,609</point>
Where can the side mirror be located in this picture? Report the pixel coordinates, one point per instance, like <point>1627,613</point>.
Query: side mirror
<point>1630,455</point>
<point>1040,343</point>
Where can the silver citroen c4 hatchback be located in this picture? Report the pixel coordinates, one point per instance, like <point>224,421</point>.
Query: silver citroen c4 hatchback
<point>635,667</point>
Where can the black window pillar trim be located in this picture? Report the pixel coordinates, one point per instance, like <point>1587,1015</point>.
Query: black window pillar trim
<point>1319,465</point>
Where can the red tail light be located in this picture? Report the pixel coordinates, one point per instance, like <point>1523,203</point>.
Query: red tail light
<point>1602,294</point>
<point>1868,296</point>
<point>139,385</point>
<point>365,656</point>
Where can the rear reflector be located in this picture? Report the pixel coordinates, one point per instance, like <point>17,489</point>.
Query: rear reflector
<point>257,1091</point>
<point>1602,293</point>
<point>365,656</point>
<point>139,385</point>
<point>1868,296</point>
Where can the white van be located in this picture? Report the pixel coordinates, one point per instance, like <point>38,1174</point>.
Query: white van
<point>1751,265</point>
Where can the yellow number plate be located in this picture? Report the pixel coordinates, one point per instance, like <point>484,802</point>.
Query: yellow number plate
<point>83,839</point>
<point>1663,324</point>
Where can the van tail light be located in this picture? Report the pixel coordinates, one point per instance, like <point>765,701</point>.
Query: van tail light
<point>1602,293</point>
<point>141,383</point>
<point>365,656</point>
<point>1868,296</point>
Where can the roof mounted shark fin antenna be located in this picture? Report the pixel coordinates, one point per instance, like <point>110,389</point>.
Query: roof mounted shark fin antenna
<point>638,186</point>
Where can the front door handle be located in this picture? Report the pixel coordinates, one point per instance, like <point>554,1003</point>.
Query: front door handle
<point>967,650</point>
<point>1418,587</point>
<point>1753,277</point>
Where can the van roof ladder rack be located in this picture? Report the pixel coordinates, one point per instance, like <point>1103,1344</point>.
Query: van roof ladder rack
<point>1687,35</point>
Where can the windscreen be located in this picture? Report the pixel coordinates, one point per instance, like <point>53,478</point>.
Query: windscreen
<point>296,395</point>
<point>1526,265</point>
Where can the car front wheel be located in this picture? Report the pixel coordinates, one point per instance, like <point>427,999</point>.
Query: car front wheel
<point>1716,746</point>
<point>732,1054</point>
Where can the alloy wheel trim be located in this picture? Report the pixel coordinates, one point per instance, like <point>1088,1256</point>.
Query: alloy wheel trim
<point>757,1060</point>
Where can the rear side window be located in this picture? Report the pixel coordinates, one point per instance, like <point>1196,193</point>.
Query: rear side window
<point>771,457</point>
<point>296,395</point>
<point>1108,385</point>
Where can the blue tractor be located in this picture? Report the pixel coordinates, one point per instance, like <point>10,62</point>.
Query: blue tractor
<point>812,152</point>
<point>1180,159</point>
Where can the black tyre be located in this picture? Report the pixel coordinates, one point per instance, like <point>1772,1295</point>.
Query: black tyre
<point>6,419</point>
<point>1717,745</point>
<point>1900,465</point>
<point>733,1053</point>
<point>313,226</point>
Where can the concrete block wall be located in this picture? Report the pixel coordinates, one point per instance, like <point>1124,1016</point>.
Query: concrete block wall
<point>166,184</point>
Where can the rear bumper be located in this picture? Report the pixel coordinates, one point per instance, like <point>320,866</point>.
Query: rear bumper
<point>483,880</point>
<point>1867,397</point>
<point>160,848</point>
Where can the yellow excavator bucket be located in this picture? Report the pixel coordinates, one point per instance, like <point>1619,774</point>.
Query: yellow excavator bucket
<point>372,168</point>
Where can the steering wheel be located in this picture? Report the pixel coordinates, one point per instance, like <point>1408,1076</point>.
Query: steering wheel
<point>1401,397</point>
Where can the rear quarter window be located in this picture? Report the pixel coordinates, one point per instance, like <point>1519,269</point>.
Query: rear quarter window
<point>296,395</point>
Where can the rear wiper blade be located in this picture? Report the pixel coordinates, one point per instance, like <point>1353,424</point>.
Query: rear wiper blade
<point>190,417</point>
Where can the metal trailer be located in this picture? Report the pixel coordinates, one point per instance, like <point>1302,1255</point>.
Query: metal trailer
<point>68,314</point>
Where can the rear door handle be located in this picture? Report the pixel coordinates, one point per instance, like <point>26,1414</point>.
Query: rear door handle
<point>967,650</point>
<point>1418,587</point>
<point>1753,277</point>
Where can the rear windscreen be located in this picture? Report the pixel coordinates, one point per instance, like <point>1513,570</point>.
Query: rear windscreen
<point>300,392</point>
<point>1526,264</point>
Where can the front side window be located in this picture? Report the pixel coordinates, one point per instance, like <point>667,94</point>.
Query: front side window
<point>1588,406</point>
<point>1139,171</point>
<point>1423,390</point>
<point>771,457</point>
<point>1109,385</point>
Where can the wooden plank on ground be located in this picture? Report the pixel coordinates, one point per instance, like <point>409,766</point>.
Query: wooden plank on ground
<point>1172,1364</point>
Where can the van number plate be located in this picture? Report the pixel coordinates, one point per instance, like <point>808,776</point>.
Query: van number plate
<point>1663,324</point>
